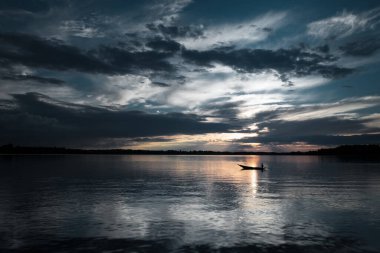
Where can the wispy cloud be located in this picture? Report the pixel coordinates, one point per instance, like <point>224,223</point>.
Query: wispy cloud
<point>341,108</point>
<point>79,29</point>
<point>168,10</point>
<point>344,24</point>
<point>237,35</point>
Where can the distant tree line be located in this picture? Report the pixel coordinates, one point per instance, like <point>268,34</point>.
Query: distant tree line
<point>349,150</point>
<point>346,150</point>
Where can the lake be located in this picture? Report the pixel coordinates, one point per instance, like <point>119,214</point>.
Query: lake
<point>158,203</point>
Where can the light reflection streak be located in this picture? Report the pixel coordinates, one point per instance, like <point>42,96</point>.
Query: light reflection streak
<point>254,182</point>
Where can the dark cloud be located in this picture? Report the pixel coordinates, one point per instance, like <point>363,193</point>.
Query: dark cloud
<point>36,119</point>
<point>323,49</point>
<point>164,45</point>
<point>227,111</point>
<point>20,5</point>
<point>177,31</point>
<point>343,140</point>
<point>122,61</point>
<point>161,84</point>
<point>285,61</point>
<point>150,139</point>
<point>267,29</point>
<point>33,51</point>
<point>33,78</point>
<point>323,131</point>
<point>285,79</point>
<point>323,140</point>
<point>364,47</point>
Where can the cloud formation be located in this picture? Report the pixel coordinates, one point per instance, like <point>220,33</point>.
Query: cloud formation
<point>323,131</point>
<point>37,119</point>
<point>344,24</point>
<point>33,51</point>
<point>361,48</point>
<point>188,73</point>
<point>238,35</point>
<point>286,62</point>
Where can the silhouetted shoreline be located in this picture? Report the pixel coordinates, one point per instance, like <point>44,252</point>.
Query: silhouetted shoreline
<point>346,150</point>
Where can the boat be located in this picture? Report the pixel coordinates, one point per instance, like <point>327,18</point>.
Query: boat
<point>245,167</point>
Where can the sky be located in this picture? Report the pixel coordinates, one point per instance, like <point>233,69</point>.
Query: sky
<point>216,75</point>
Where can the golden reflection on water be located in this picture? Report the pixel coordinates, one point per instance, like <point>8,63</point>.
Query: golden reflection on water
<point>254,182</point>
<point>253,161</point>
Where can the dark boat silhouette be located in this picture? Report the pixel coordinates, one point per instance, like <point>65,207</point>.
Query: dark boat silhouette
<point>245,167</point>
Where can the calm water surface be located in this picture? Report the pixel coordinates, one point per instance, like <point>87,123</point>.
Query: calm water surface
<point>90,203</point>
